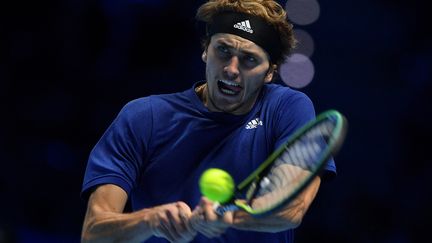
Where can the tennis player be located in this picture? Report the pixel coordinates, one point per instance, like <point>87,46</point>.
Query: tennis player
<point>157,147</point>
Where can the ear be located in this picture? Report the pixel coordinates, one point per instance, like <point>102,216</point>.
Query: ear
<point>204,56</point>
<point>269,76</point>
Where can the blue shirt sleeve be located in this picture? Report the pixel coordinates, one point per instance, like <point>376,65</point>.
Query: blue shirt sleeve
<point>121,151</point>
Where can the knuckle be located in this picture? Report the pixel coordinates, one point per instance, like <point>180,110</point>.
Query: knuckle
<point>182,205</point>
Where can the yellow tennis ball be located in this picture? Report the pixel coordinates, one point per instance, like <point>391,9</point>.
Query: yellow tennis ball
<point>217,185</point>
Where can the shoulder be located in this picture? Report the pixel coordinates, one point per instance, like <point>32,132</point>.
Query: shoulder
<point>137,105</point>
<point>135,109</point>
<point>288,109</point>
<point>155,108</point>
<point>147,104</point>
<point>277,91</point>
<point>284,97</point>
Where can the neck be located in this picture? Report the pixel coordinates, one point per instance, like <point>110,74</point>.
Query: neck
<point>201,91</point>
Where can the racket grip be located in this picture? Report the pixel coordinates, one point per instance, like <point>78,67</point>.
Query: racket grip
<point>222,209</point>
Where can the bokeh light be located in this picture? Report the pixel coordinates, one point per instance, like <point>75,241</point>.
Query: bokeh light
<point>297,71</point>
<point>303,12</point>
<point>305,45</point>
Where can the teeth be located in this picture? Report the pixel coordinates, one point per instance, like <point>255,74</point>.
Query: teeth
<point>227,91</point>
<point>231,83</point>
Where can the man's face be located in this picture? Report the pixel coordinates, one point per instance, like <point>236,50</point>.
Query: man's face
<point>236,71</point>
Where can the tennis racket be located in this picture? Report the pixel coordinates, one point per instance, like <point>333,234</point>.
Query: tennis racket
<point>290,168</point>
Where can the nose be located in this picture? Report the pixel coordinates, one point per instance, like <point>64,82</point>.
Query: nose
<point>232,68</point>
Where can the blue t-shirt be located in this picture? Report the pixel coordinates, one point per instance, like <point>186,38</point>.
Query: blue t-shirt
<point>158,146</point>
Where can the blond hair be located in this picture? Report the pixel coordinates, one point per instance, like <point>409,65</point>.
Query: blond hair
<point>271,11</point>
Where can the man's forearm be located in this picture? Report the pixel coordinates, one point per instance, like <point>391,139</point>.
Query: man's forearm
<point>116,227</point>
<point>288,217</point>
<point>283,220</point>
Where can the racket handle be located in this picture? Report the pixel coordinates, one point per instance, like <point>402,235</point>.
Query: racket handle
<point>222,209</point>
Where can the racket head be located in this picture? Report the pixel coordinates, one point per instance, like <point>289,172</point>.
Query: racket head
<point>291,167</point>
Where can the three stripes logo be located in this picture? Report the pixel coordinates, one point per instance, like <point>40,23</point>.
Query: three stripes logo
<point>244,25</point>
<point>254,123</point>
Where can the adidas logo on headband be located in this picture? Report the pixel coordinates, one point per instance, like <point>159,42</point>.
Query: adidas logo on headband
<point>244,25</point>
<point>263,33</point>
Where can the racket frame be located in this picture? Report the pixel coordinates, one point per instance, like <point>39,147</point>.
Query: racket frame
<point>334,145</point>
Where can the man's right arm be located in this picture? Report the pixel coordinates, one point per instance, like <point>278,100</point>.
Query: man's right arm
<point>106,222</point>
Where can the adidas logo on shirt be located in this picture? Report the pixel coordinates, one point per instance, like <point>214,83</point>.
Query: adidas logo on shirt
<point>254,123</point>
<point>244,25</point>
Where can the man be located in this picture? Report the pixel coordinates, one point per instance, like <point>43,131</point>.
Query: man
<point>158,146</point>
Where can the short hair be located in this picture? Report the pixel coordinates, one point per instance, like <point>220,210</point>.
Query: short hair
<point>269,10</point>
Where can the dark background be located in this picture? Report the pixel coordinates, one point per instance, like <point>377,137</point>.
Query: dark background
<point>67,67</point>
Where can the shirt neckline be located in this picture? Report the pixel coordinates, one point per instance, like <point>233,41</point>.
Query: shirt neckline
<point>222,116</point>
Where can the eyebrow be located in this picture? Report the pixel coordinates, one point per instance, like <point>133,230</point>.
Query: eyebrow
<point>242,50</point>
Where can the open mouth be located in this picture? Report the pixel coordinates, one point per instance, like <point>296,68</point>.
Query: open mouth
<point>229,87</point>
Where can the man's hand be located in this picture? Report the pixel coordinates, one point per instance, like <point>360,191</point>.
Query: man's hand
<point>288,217</point>
<point>205,220</point>
<point>106,222</point>
<point>171,221</point>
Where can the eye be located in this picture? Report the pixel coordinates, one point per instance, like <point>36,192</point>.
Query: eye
<point>222,49</point>
<point>250,59</point>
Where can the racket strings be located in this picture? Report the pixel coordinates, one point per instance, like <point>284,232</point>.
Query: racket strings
<point>283,182</point>
<point>306,150</point>
<point>294,167</point>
